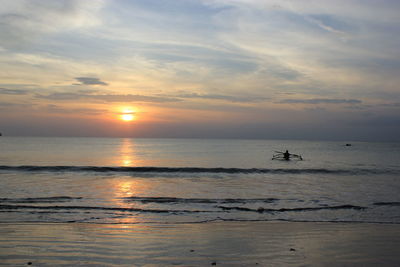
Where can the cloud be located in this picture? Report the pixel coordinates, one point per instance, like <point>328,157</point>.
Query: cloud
<point>6,104</point>
<point>9,105</point>
<point>90,81</point>
<point>5,91</point>
<point>62,110</point>
<point>91,95</point>
<point>21,21</point>
<point>108,97</point>
<point>392,105</point>
<point>321,101</point>
<point>134,98</point>
<point>61,96</point>
<point>329,23</point>
<point>230,98</point>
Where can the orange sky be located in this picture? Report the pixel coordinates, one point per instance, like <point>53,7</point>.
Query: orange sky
<point>226,69</point>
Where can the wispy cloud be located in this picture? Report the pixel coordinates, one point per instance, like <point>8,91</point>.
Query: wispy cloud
<point>7,104</point>
<point>230,98</point>
<point>90,81</point>
<point>12,105</point>
<point>108,97</point>
<point>21,21</point>
<point>6,91</point>
<point>329,23</point>
<point>321,101</point>
<point>81,111</point>
<point>391,105</point>
<point>97,96</point>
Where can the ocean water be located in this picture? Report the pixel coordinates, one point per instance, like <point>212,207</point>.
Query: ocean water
<point>125,181</point>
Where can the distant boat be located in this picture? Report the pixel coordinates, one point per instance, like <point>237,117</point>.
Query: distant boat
<point>347,144</point>
<point>283,156</point>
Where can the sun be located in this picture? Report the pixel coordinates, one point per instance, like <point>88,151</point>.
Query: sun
<point>127,114</point>
<point>127,117</point>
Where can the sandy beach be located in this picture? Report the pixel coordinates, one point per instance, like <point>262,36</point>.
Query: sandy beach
<point>201,244</point>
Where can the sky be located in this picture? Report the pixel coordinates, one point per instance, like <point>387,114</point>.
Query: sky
<point>252,69</point>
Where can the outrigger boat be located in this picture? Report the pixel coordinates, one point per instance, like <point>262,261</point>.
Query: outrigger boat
<point>286,156</point>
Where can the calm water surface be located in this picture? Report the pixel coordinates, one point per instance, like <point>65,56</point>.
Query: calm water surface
<point>102,180</point>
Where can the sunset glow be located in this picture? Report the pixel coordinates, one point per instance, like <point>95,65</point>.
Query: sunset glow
<point>229,69</point>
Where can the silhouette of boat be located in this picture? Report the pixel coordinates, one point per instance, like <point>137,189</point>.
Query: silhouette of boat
<point>281,156</point>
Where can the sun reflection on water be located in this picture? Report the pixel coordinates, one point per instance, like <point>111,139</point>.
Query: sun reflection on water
<point>125,188</point>
<point>127,153</point>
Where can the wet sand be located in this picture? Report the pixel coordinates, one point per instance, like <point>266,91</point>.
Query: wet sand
<point>201,244</point>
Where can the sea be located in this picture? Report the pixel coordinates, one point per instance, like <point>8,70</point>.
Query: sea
<point>172,181</point>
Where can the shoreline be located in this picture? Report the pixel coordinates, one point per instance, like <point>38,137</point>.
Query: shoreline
<point>216,221</point>
<point>240,243</point>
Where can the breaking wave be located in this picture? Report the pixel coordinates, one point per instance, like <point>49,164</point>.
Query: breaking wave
<point>261,210</point>
<point>39,199</point>
<point>387,203</point>
<point>173,200</point>
<point>194,170</point>
<point>18,207</point>
<point>223,208</point>
<point>170,209</point>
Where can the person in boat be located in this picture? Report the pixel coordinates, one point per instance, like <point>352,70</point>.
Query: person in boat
<point>286,155</point>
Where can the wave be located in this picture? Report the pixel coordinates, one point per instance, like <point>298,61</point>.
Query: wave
<point>161,170</point>
<point>261,210</point>
<point>19,207</point>
<point>387,203</point>
<point>171,200</point>
<point>39,199</point>
<point>223,208</point>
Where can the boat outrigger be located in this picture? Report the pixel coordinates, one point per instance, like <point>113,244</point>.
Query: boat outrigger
<point>286,156</point>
